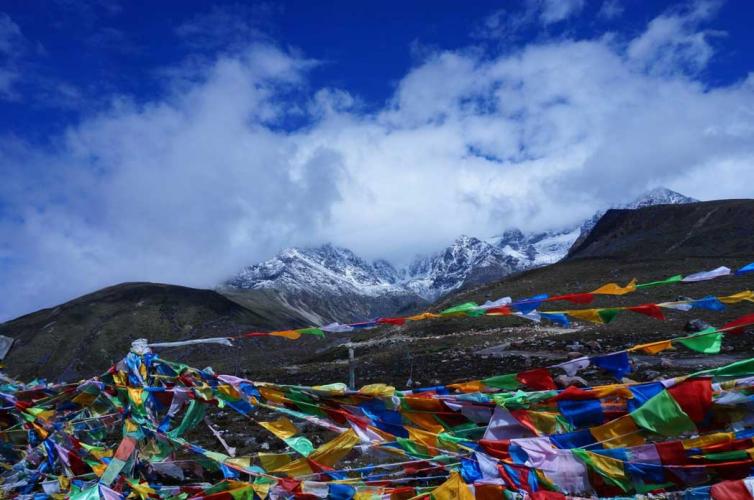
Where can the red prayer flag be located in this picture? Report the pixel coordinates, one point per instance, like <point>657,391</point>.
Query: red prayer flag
<point>739,324</point>
<point>576,298</point>
<point>499,310</point>
<point>537,380</point>
<point>694,397</point>
<point>672,453</point>
<point>391,321</point>
<point>651,310</point>
<point>496,448</point>
<point>730,490</point>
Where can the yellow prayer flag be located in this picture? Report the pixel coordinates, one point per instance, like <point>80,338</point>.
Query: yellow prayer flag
<point>546,422</point>
<point>229,391</point>
<point>618,433</point>
<point>261,489</point>
<point>614,390</point>
<point>586,315</point>
<point>421,316</point>
<point>453,489</point>
<point>471,386</point>
<point>272,395</point>
<point>328,454</point>
<point>283,428</point>
<point>143,490</point>
<point>708,440</point>
<point>428,439</point>
<point>272,461</point>
<point>608,466</point>
<point>425,421</point>
<point>615,289</point>
<point>382,390</point>
<point>134,394</point>
<point>738,297</point>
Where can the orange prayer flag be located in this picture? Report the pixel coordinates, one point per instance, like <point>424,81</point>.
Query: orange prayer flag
<point>289,334</point>
<point>653,347</point>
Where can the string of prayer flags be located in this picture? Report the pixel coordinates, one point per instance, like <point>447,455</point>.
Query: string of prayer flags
<point>527,308</point>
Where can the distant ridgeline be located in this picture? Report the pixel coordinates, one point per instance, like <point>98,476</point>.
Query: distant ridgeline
<point>329,283</point>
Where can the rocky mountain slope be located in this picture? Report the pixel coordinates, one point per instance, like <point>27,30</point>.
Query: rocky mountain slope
<point>83,336</point>
<point>333,284</point>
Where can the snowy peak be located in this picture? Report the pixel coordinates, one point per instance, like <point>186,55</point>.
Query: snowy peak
<point>467,260</point>
<point>321,269</point>
<point>659,196</point>
<point>656,196</point>
<point>333,283</point>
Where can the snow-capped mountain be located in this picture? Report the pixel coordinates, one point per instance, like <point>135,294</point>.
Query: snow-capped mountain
<point>467,261</point>
<point>328,283</point>
<point>331,283</point>
<point>657,196</point>
<point>540,249</point>
<point>323,269</point>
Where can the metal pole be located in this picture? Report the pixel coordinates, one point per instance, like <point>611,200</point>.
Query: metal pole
<point>351,369</point>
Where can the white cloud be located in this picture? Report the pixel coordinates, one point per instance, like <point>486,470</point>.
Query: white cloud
<point>554,11</point>
<point>508,22</point>
<point>187,189</point>
<point>673,41</point>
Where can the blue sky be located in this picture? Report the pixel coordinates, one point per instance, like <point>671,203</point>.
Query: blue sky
<point>73,57</point>
<point>177,140</point>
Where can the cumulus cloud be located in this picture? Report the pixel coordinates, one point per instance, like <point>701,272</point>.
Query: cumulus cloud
<point>188,188</point>
<point>184,190</point>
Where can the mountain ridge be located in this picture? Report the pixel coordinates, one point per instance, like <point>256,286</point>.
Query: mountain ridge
<point>330,283</point>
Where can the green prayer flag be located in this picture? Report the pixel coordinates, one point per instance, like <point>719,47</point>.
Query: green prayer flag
<point>741,368</point>
<point>91,493</point>
<point>673,279</point>
<point>445,439</point>
<point>608,315</point>
<point>244,493</point>
<point>661,414</point>
<point>461,308</point>
<point>312,331</point>
<point>707,341</point>
<point>191,419</point>
<point>300,444</point>
<point>508,382</point>
<point>727,456</point>
<point>413,448</point>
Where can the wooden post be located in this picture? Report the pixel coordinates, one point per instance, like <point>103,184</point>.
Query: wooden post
<point>351,369</point>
